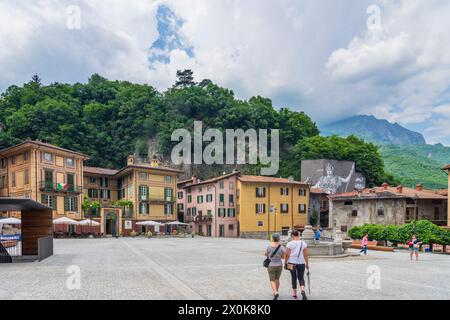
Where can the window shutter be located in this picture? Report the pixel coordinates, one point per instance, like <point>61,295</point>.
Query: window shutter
<point>256,208</point>
<point>43,198</point>
<point>66,204</point>
<point>75,203</point>
<point>55,199</point>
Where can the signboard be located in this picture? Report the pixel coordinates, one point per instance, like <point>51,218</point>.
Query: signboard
<point>10,237</point>
<point>128,225</point>
<point>156,229</point>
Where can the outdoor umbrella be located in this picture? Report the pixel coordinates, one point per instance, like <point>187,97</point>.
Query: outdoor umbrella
<point>150,223</point>
<point>176,223</point>
<point>88,222</point>
<point>10,221</point>
<point>65,221</point>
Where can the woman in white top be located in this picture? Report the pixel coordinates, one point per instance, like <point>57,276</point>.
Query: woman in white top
<point>297,262</point>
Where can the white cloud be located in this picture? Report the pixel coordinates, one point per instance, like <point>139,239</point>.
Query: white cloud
<point>313,55</point>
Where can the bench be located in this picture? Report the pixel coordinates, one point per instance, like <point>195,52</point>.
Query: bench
<point>372,245</point>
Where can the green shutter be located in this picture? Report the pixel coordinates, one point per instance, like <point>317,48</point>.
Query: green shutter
<point>75,202</point>
<point>66,204</point>
<point>55,199</point>
<point>43,198</point>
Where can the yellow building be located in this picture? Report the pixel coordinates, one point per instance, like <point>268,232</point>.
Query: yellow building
<point>148,186</point>
<point>267,205</point>
<point>45,173</point>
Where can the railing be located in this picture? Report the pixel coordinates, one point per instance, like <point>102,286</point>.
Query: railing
<point>50,186</point>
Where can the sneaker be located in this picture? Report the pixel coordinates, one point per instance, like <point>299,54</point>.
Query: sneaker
<point>295,297</point>
<point>276,296</point>
<point>304,296</point>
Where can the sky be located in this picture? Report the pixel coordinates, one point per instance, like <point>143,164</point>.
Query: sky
<point>331,59</point>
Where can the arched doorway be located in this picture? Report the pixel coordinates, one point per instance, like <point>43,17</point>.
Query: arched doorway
<point>111,224</point>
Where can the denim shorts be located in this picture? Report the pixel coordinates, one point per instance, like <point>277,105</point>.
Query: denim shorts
<point>414,249</point>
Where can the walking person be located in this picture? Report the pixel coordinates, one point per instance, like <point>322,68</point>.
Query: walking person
<point>414,247</point>
<point>297,262</point>
<point>365,243</point>
<point>275,252</point>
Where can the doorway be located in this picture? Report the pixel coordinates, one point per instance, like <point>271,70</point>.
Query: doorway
<point>111,224</point>
<point>222,231</point>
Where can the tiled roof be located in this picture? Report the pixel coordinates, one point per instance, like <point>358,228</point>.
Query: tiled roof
<point>317,191</point>
<point>390,193</point>
<point>43,144</point>
<point>265,179</point>
<point>148,166</point>
<point>212,180</point>
<point>100,171</point>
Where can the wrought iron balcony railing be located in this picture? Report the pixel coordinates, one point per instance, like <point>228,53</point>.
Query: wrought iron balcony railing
<point>50,186</point>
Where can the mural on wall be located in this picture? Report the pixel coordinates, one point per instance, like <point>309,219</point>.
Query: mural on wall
<point>332,176</point>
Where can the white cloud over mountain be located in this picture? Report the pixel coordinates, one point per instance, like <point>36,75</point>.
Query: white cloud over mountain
<point>312,55</point>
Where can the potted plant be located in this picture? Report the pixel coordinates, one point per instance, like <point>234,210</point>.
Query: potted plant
<point>133,234</point>
<point>149,234</point>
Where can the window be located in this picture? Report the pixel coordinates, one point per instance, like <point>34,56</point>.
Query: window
<point>144,208</point>
<point>3,163</point>
<point>3,181</point>
<point>48,157</point>
<point>260,192</point>
<point>168,194</point>
<point>348,203</point>
<point>199,199</point>
<point>92,180</point>
<point>302,208</point>
<point>49,201</point>
<point>260,223</point>
<point>231,200</point>
<point>230,227</point>
<point>71,204</point>
<point>70,179</point>
<point>26,176</point>
<point>13,179</point>
<point>380,212</point>
<point>221,199</point>
<point>302,192</point>
<point>231,212</point>
<point>284,208</point>
<point>344,228</point>
<point>70,162</point>
<point>143,175</point>
<point>354,213</point>
<point>168,209</point>
<point>168,179</point>
<point>200,189</point>
<point>189,198</point>
<point>260,208</point>
<point>284,191</point>
<point>143,193</point>
<point>209,198</point>
<point>13,160</point>
<point>105,194</point>
<point>285,231</point>
<point>26,156</point>
<point>180,207</point>
<point>437,212</point>
<point>231,185</point>
<point>180,195</point>
<point>221,185</point>
<point>221,212</point>
<point>104,182</point>
<point>93,193</point>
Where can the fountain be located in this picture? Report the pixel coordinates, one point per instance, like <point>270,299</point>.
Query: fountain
<point>319,248</point>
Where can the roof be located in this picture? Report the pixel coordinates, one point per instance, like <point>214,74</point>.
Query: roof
<point>266,179</point>
<point>19,204</point>
<point>212,180</point>
<point>446,167</point>
<point>149,167</point>
<point>100,171</point>
<point>318,191</point>
<point>390,193</point>
<point>43,144</point>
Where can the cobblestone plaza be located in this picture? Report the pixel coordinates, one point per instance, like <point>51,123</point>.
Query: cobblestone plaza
<point>206,268</point>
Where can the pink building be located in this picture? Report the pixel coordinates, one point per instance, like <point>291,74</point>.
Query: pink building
<point>209,206</point>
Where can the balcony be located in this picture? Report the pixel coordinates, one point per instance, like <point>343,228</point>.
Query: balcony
<point>157,199</point>
<point>46,186</point>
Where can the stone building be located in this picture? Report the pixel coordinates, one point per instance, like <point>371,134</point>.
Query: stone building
<point>387,205</point>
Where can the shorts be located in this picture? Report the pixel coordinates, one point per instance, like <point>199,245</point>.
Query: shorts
<point>414,249</point>
<point>275,273</point>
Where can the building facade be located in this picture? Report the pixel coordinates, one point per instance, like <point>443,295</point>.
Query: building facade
<point>387,205</point>
<point>266,205</point>
<point>447,169</point>
<point>45,173</point>
<point>210,206</point>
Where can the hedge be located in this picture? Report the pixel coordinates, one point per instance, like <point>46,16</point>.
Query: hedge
<point>425,230</point>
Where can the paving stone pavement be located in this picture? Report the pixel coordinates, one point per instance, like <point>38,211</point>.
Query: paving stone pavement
<point>207,268</point>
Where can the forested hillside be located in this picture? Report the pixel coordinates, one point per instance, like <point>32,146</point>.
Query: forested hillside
<point>109,120</point>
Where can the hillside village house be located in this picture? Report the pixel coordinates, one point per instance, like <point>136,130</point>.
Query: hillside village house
<point>210,206</point>
<point>56,177</point>
<point>387,205</point>
<point>267,204</point>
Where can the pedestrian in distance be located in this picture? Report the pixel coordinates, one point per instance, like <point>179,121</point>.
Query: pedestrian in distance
<point>275,253</point>
<point>297,262</point>
<point>365,243</point>
<point>414,247</point>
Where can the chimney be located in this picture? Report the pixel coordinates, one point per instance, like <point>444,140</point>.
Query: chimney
<point>385,186</point>
<point>291,179</point>
<point>131,160</point>
<point>154,163</point>
<point>400,189</point>
<point>419,187</point>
